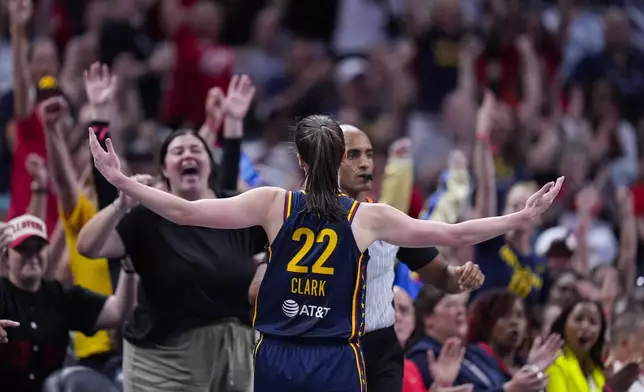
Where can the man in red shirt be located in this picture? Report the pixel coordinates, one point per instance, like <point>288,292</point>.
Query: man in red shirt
<point>202,62</point>
<point>28,134</point>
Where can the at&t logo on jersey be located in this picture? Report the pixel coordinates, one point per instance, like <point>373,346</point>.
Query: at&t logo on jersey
<point>292,309</point>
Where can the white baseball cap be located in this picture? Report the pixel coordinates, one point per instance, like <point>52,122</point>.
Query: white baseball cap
<point>24,227</point>
<point>350,68</point>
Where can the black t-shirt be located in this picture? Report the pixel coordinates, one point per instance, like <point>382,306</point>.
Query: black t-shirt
<point>38,346</point>
<point>437,68</point>
<point>190,276</point>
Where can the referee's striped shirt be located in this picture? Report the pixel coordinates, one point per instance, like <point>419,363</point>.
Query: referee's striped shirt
<point>379,309</point>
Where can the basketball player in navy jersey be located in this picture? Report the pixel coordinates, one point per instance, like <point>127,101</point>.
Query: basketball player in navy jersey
<point>310,308</point>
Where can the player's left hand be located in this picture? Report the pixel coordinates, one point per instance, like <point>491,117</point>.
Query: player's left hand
<point>469,276</point>
<point>107,162</point>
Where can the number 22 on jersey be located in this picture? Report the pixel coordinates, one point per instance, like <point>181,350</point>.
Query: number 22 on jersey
<point>326,237</point>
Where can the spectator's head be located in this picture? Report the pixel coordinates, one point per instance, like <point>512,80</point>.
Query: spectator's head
<point>627,337</point>
<point>266,27</point>
<point>499,318</point>
<point>440,316</point>
<point>602,101</point>
<point>404,307</point>
<point>518,195</point>
<point>617,29</point>
<point>205,18</point>
<point>575,164</point>
<point>447,15</point>
<point>25,258</point>
<point>351,80</point>
<point>95,13</point>
<point>356,169</point>
<point>557,245</point>
<point>583,327</point>
<point>42,57</point>
<point>186,164</point>
<point>301,56</point>
<point>563,292</point>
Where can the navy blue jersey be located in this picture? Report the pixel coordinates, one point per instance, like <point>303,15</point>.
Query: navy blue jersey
<point>314,285</point>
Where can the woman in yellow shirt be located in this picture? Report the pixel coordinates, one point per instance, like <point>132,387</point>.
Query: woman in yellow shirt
<point>580,368</point>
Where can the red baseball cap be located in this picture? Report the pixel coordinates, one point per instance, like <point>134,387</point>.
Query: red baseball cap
<point>24,227</point>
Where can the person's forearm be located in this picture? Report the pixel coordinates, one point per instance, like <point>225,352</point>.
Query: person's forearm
<point>485,204</point>
<point>397,184</point>
<point>55,251</point>
<point>119,306</point>
<point>229,169</point>
<point>231,155</point>
<point>20,87</point>
<point>96,232</point>
<point>479,230</point>
<point>38,201</point>
<point>169,206</point>
<point>62,171</point>
<point>627,261</point>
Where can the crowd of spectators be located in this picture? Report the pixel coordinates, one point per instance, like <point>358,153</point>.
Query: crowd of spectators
<point>496,98</point>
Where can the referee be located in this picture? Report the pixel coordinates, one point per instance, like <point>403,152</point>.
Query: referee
<point>382,352</point>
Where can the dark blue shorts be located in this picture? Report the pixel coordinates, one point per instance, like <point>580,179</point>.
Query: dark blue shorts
<point>297,365</point>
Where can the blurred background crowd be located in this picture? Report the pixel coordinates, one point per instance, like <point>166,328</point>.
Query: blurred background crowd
<point>564,81</point>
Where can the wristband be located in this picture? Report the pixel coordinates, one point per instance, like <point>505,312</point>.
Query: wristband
<point>38,189</point>
<point>128,271</point>
<point>100,128</point>
<point>483,138</point>
<point>212,125</point>
<point>262,262</point>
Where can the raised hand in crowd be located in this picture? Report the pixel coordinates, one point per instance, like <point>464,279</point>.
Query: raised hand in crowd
<point>52,111</point>
<point>469,276</point>
<point>100,87</point>
<point>37,169</point>
<point>544,352</point>
<point>527,379</point>
<point>446,367</point>
<point>400,149</point>
<point>241,92</point>
<point>20,11</point>
<point>125,202</point>
<point>215,112</point>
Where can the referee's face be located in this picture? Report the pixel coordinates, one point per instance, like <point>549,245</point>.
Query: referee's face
<point>356,170</point>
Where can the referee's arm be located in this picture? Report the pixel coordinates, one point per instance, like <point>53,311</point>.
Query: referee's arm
<point>429,267</point>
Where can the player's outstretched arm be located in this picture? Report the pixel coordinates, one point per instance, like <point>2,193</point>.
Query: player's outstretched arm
<point>248,209</point>
<point>388,224</point>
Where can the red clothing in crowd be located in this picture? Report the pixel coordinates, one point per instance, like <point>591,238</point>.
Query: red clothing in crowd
<point>201,65</point>
<point>412,379</point>
<point>30,138</point>
<point>506,70</point>
<point>638,198</point>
